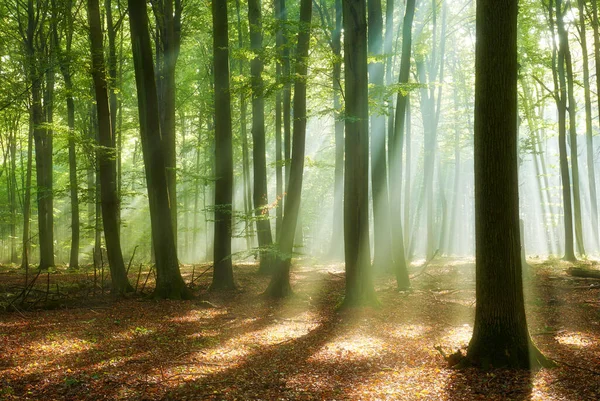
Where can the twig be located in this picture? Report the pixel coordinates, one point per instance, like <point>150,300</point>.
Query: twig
<point>425,265</point>
<point>131,259</point>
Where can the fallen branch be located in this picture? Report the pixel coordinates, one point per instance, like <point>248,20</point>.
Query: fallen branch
<point>585,273</point>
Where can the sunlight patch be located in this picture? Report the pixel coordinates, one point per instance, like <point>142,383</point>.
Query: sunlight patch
<point>197,315</point>
<point>576,339</point>
<point>458,336</point>
<point>353,347</point>
<point>277,333</point>
<point>60,344</point>
<point>409,331</point>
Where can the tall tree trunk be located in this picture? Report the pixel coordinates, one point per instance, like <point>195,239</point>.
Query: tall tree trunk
<point>279,286</point>
<point>500,335</point>
<point>400,267</point>
<point>169,283</point>
<point>279,40</point>
<point>65,68</point>
<point>27,198</point>
<point>249,226</point>
<point>382,241</point>
<point>588,122</point>
<point>106,157</point>
<point>261,199</point>
<point>573,148</point>
<point>168,14</point>
<point>561,103</point>
<point>359,284</point>
<point>337,240</point>
<point>223,270</point>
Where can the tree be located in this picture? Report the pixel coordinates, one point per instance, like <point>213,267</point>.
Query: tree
<point>500,335</point>
<point>106,157</point>
<point>65,57</point>
<point>359,285</point>
<point>382,235</point>
<point>261,199</point>
<point>400,268</point>
<point>279,286</point>
<point>168,15</point>
<point>223,270</point>
<point>169,283</point>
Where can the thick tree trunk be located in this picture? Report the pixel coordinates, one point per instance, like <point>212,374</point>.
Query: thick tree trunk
<point>400,267</point>
<point>168,24</point>
<point>359,284</point>
<point>169,283</point>
<point>500,336</point>
<point>223,270</point>
<point>261,199</point>
<point>106,158</point>
<point>279,286</point>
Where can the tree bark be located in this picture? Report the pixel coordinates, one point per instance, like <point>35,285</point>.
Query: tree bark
<point>261,199</point>
<point>106,157</point>
<point>500,335</point>
<point>382,234</point>
<point>279,286</point>
<point>359,284</point>
<point>400,267</point>
<point>169,283</point>
<point>223,270</point>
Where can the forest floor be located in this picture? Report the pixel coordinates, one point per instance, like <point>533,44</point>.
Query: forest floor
<point>239,345</point>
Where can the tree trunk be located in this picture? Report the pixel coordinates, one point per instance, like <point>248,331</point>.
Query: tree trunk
<point>561,103</point>
<point>279,40</point>
<point>106,158</point>
<point>223,270</point>
<point>588,122</point>
<point>169,283</point>
<point>167,14</point>
<point>359,284</point>
<point>573,148</point>
<point>279,286</point>
<point>382,254</point>
<point>27,199</point>
<point>500,335</point>
<point>261,199</point>
<point>400,267</point>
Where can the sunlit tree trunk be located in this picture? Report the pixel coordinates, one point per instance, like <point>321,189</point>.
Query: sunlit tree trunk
<point>359,284</point>
<point>400,267</point>
<point>261,199</point>
<point>588,121</point>
<point>279,286</point>
<point>573,148</point>
<point>168,15</point>
<point>169,283</point>
<point>249,226</point>
<point>382,254</point>
<point>106,157</point>
<point>561,103</point>
<point>27,198</point>
<point>223,270</point>
<point>500,335</point>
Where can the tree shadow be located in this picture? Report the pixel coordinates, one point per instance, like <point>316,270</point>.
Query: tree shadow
<point>496,384</point>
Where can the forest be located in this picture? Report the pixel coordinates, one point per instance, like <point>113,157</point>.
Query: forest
<point>299,200</point>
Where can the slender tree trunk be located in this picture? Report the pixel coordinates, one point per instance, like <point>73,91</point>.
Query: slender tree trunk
<point>337,240</point>
<point>382,257</point>
<point>169,283</point>
<point>223,270</point>
<point>279,286</point>
<point>261,199</point>
<point>588,122</point>
<point>500,335</point>
<point>278,123</point>
<point>573,148</point>
<point>400,267</point>
<point>27,198</point>
<point>561,103</point>
<point>106,158</point>
<point>359,284</point>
